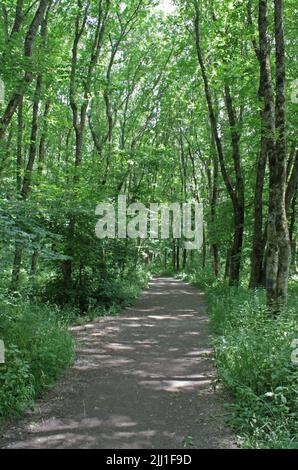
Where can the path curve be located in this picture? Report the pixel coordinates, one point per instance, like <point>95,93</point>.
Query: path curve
<point>143,380</point>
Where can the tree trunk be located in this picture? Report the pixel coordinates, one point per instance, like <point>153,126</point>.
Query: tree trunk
<point>236,194</point>
<point>293,238</point>
<point>26,185</point>
<point>282,230</point>
<point>184,261</point>
<point>20,147</point>
<point>214,197</point>
<point>279,249</point>
<point>236,250</point>
<point>79,112</point>
<point>258,248</point>
<point>204,250</point>
<point>16,98</point>
<point>228,264</point>
<point>238,201</point>
<point>43,137</point>
<point>34,263</point>
<point>17,264</point>
<point>178,257</point>
<point>174,253</point>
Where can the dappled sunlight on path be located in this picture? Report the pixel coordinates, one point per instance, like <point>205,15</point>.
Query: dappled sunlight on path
<point>141,380</point>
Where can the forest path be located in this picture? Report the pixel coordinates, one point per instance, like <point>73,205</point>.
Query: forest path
<point>142,380</point>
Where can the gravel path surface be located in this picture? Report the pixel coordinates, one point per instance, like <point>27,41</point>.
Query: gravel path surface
<point>142,380</point>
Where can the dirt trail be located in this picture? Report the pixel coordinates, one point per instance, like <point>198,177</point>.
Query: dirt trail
<point>143,380</point>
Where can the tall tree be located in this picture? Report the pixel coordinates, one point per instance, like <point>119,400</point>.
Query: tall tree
<point>236,192</point>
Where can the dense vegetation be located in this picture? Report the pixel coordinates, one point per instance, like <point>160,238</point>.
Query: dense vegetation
<point>196,102</point>
<point>252,352</point>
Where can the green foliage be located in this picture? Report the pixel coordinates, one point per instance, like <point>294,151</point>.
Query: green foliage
<point>38,347</point>
<point>253,356</point>
<point>146,133</point>
<point>118,294</point>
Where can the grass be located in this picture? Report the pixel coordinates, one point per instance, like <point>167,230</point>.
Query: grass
<point>37,349</point>
<point>253,356</point>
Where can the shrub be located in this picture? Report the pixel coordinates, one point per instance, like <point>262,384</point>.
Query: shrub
<point>38,347</point>
<point>253,356</point>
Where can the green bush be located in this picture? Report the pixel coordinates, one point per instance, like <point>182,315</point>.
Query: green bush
<point>253,356</point>
<point>122,291</point>
<point>38,347</point>
<point>115,295</point>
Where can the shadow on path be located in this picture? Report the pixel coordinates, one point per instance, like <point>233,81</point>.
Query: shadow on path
<point>143,380</point>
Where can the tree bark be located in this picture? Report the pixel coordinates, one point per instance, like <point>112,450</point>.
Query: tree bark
<point>26,185</point>
<point>79,112</point>
<point>282,230</point>
<point>20,147</point>
<point>18,18</point>
<point>236,194</point>
<point>239,209</point>
<point>228,263</point>
<point>278,240</point>
<point>32,149</point>
<point>259,242</point>
<point>292,183</point>
<point>29,76</point>
<point>43,138</point>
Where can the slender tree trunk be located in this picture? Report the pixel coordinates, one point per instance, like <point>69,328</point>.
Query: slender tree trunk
<point>214,197</point>
<point>17,264</point>
<point>27,179</point>
<point>236,194</point>
<point>292,183</point>
<point>43,138</point>
<point>32,150</point>
<point>184,260</point>
<point>228,264</point>
<point>279,249</point>
<point>257,256</point>
<point>236,251</point>
<point>26,184</point>
<point>16,98</point>
<point>204,250</point>
<point>258,248</point>
<point>79,112</point>
<point>178,257</point>
<point>239,200</point>
<point>259,253</point>
<point>34,263</point>
<point>20,147</point>
<point>293,238</point>
<point>18,18</point>
<point>268,125</point>
<point>174,254</point>
<point>282,230</point>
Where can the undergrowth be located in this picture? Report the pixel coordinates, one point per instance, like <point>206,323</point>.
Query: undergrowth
<point>37,348</point>
<point>253,355</point>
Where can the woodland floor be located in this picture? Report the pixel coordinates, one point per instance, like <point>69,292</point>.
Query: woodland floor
<point>142,380</point>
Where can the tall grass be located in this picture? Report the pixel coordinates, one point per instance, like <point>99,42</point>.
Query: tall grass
<point>37,348</point>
